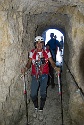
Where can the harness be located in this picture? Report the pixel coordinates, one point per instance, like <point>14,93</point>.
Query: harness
<point>39,61</point>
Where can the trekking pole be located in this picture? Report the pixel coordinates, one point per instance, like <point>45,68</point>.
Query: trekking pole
<point>25,97</point>
<point>59,89</point>
<point>60,93</point>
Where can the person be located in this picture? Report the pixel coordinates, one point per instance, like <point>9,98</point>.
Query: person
<point>38,59</point>
<point>62,45</point>
<point>52,45</point>
<point>55,37</point>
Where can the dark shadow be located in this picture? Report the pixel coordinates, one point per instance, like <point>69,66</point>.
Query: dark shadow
<point>81,61</point>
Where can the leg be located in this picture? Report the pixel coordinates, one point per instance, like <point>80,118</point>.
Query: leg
<point>43,87</point>
<point>49,76</point>
<point>52,76</point>
<point>34,91</point>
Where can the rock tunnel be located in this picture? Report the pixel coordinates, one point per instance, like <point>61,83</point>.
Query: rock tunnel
<point>20,22</point>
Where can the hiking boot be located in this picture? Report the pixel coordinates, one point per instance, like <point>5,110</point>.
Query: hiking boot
<point>40,116</point>
<point>35,113</point>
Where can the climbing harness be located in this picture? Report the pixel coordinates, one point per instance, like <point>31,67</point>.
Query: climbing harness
<point>25,97</point>
<point>39,61</point>
<point>39,67</point>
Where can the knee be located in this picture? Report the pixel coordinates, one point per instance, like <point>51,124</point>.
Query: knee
<point>33,97</point>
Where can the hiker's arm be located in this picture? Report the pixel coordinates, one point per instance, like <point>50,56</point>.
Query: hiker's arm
<point>54,65</point>
<point>28,65</point>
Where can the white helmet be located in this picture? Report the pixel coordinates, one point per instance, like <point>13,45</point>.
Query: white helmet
<point>39,38</point>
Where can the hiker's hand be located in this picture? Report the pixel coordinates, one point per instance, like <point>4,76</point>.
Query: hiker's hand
<point>23,70</point>
<point>57,69</point>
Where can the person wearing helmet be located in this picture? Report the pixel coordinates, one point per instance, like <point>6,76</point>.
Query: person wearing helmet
<point>38,61</point>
